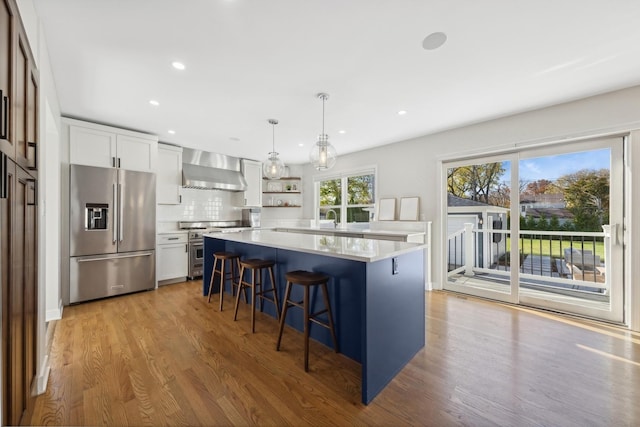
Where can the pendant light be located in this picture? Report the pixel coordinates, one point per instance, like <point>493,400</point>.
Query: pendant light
<point>323,155</point>
<point>273,167</point>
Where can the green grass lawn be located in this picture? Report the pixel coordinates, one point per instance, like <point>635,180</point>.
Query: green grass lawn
<point>552,247</point>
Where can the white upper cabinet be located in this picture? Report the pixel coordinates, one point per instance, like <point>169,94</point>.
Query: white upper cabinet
<point>92,147</point>
<point>169,175</point>
<point>252,172</point>
<point>104,146</point>
<point>137,154</point>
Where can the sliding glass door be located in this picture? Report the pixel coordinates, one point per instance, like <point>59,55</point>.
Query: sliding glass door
<point>540,227</point>
<point>480,255</point>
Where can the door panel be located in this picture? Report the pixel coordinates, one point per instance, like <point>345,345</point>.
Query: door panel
<point>581,262</point>
<point>16,298</point>
<point>33,139</point>
<point>92,147</point>
<point>93,191</point>
<point>103,276</point>
<point>6,46</point>
<point>6,278</point>
<point>477,243</point>
<point>20,100</point>
<point>137,229</point>
<point>567,216</point>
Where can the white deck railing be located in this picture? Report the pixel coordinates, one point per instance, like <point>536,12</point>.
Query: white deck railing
<point>576,263</point>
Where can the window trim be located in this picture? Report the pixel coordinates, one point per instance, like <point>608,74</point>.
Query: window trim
<point>367,170</point>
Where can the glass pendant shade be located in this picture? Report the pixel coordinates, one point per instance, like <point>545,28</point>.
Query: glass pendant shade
<point>323,155</point>
<point>273,167</point>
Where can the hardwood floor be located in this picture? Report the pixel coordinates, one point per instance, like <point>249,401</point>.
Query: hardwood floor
<point>166,357</point>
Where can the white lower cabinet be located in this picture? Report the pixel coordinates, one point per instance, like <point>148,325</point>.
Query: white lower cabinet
<point>172,257</point>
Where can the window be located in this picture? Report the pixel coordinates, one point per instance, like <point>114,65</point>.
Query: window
<point>348,198</point>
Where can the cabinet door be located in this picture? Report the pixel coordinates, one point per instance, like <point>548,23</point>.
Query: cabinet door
<point>137,154</point>
<point>7,196</point>
<point>173,261</point>
<point>252,172</point>
<point>6,65</point>
<point>20,98</point>
<point>92,147</point>
<point>169,175</point>
<point>24,295</point>
<point>33,140</point>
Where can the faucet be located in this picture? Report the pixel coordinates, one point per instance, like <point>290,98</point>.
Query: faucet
<point>335,217</point>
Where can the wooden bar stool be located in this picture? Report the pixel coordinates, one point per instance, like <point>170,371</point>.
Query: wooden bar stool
<point>219,270</point>
<point>257,267</point>
<point>307,279</point>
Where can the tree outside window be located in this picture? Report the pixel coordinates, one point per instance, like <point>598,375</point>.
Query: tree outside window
<point>352,195</point>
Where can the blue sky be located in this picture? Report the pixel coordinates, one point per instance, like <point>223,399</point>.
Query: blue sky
<point>553,167</point>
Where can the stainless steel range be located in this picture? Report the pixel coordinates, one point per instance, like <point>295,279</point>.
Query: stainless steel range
<point>197,230</point>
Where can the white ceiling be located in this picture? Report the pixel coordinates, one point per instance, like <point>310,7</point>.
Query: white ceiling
<point>251,60</point>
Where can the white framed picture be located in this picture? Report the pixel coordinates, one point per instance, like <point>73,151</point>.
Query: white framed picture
<point>386,209</point>
<point>409,207</point>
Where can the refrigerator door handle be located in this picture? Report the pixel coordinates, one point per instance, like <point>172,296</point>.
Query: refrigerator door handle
<point>117,257</point>
<point>115,227</point>
<point>121,216</point>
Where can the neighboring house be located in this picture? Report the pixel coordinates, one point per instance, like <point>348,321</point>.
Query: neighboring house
<point>483,217</point>
<point>545,205</point>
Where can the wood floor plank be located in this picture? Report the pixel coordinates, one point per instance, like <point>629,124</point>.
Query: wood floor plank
<point>167,357</point>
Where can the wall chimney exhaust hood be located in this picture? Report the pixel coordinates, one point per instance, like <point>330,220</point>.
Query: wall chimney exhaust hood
<point>211,171</point>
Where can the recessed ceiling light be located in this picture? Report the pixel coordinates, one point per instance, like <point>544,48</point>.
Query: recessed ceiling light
<point>342,131</point>
<point>154,103</point>
<point>434,41</point>
<point>178,65</point>
<point>172,132</point>
<point>301,145</point>
<point>402,112</point>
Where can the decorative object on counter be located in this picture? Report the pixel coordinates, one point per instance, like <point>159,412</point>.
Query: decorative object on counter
<point>387,209</point>
<point>323,154</point>
<point>409,208</point>
<point>273,167</point>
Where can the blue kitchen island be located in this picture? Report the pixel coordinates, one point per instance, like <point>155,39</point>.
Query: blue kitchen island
<point>377,293</point>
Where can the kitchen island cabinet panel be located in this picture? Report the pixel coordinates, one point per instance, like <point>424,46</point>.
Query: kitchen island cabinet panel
<point>379,315</point>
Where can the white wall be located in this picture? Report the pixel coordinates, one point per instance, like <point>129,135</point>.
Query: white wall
<point>413,167</point>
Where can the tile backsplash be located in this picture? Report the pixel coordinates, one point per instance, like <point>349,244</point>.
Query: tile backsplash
<point>203,205</point>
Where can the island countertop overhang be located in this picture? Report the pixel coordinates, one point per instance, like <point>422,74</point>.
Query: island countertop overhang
<point>355,249</point>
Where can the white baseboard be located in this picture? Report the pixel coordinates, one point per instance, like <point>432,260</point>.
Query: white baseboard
<point>55,314</point>
<point>43,377</point>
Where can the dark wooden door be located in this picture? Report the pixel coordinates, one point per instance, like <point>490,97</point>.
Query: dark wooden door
<point>7,32</point>
<point>25,285</point>
<point>16,299</point>
<point>7,175</point>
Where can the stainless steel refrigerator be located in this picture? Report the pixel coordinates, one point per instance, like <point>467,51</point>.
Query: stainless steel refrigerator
<point>112,215</point>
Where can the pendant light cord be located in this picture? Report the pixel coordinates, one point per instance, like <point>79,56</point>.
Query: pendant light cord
<point>323,99</point>
<point>273,137</point>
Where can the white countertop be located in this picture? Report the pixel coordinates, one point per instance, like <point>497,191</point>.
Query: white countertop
<point>366,231</point>
<point>356,249</point>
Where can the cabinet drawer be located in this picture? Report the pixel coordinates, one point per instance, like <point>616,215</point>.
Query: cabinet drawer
<point>163,239</point>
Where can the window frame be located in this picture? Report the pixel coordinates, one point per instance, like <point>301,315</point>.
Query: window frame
<point>343,177</point>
